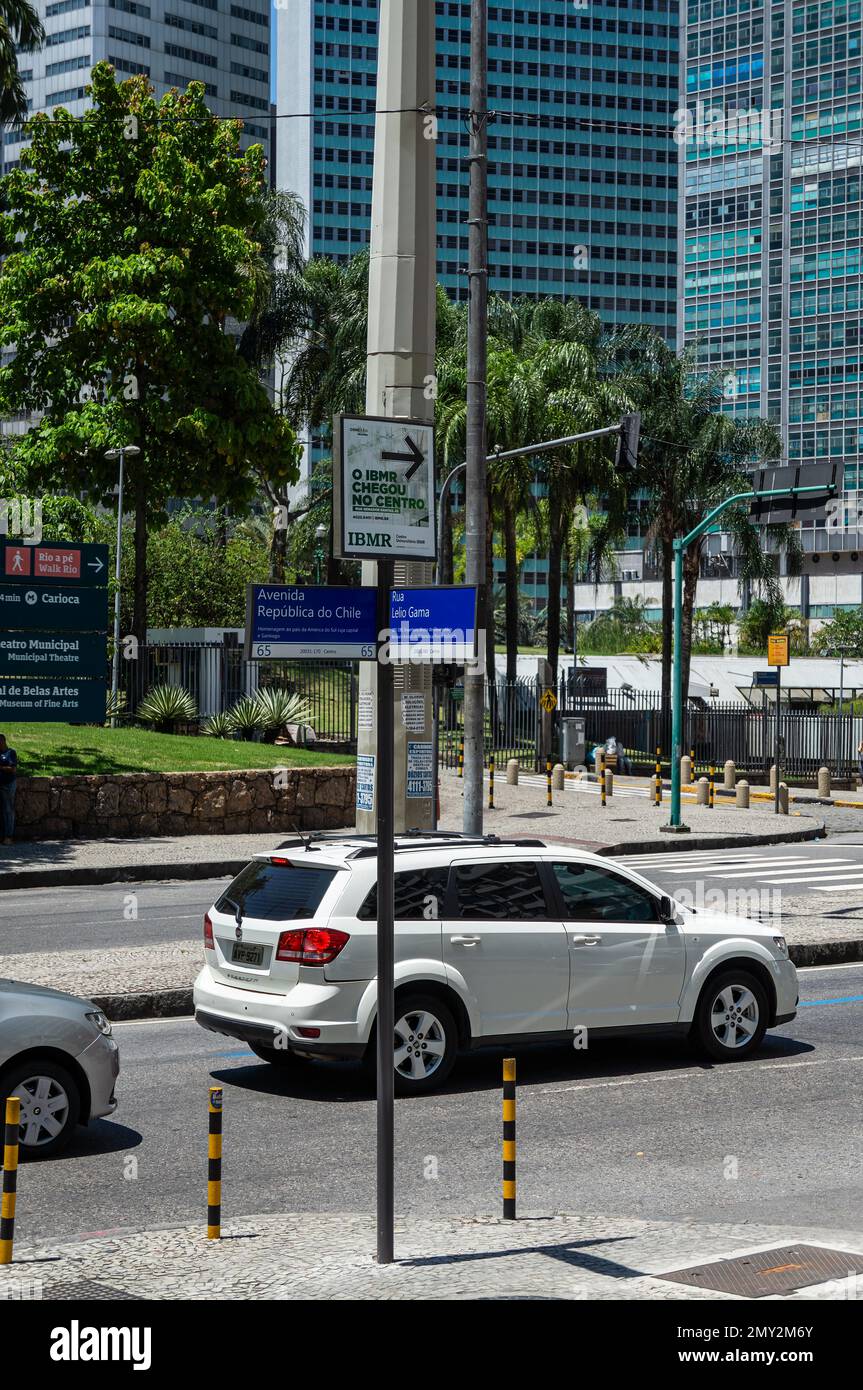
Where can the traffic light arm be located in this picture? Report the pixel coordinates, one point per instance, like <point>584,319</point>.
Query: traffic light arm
<point>680,546</point>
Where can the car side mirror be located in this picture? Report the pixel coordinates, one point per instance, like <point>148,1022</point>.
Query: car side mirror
<point>667,912</point>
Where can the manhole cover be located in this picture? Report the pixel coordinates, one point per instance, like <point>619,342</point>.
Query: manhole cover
<point>86,1288</point>
<point>771,1271</point>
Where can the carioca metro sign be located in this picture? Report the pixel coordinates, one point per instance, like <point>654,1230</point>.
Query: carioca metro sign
<point>384,489</point>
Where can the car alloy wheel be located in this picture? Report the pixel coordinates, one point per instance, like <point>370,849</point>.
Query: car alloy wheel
<point>420,1045</point>
<point>734,1016</point>
<point>45,1107</point>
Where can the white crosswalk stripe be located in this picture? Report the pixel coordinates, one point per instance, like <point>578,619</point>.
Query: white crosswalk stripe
<point>591,788</point>
<point>800,873</point>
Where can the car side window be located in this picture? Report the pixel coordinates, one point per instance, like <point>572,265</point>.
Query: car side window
<point>591,894</point>
<point>419,893</point>
<point>500,893</point>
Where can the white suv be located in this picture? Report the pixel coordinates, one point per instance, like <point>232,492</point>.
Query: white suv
<point>495,942</point>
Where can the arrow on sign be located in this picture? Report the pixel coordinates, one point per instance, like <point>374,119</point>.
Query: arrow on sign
<point>96,565</point>
<point>414,458</point>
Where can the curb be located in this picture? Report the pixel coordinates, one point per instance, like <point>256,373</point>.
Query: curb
<point>779,837</point>
<point>223,868</point>
<point>121,873</point>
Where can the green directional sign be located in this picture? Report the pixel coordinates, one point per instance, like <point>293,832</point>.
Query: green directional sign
<point>85,565</point>
<point>55,607</point>
<point>46,701</point>
<point>53,654</point>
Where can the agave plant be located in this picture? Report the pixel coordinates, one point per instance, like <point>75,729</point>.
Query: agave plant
<point>219,726</point>
<point>245,717</point>
<point>277,709</point>
<point>114,705</point>
<point>165,706</point>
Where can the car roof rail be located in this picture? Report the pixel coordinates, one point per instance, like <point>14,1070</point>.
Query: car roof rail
<point>453,841</point>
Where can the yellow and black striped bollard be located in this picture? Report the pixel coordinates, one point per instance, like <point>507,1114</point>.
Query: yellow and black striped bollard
<point>603,794</point>
<point>657,797</point>
<point>491,782</point>
<point>509,1139</point>
<point>10,1179</point>
<point>214,1165</point>
<point>461,755</point>
<point>712,801</point>
<point>692,765</point>
<point>548,800</point>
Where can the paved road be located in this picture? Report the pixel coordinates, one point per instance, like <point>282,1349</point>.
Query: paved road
<point>112,914</point>
<point>629,1129</point>
<point>831,869</point>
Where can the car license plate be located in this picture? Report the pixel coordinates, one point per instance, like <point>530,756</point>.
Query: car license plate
<point>242,954</point>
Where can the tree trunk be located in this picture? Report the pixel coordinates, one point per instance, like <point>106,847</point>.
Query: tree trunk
<point>511,583</point>
<point>278,554</point>
<point>570,595</point>
<point>139,495</point>
<point>667,635</point>
<point>555,545</point>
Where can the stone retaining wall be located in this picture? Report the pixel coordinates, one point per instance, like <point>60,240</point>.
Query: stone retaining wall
<point>185,803</point>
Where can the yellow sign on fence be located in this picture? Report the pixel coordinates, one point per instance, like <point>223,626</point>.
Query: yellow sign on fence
<point>778,653</point>
<point>548,700</point>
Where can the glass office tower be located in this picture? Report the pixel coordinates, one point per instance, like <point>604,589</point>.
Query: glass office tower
<point>771,156</point>
<point>582,167</point>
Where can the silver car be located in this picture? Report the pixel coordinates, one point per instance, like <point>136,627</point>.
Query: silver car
<point>57,1054</point>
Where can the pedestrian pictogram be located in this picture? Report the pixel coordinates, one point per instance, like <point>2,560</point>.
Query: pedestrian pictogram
<point>548,700</point>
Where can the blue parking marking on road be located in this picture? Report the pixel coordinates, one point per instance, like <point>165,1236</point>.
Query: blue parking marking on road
<point>244,1053</point>
<point>813,1003</point>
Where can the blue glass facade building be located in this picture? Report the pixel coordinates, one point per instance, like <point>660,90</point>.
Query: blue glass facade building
<point>582,167</point>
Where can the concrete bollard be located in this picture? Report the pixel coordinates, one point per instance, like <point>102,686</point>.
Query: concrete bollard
<point>783,798</point>
<point>685,770</point>
<point>702,792</point>
<point>512,772</point>
<point>558,777</point>
<point>742,797</point>
<point>774,773</point>
<point>824,781</point>
<point>609,782</point>
<point>730,775</point>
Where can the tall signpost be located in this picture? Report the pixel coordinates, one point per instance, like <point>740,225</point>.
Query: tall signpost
<point>399,390</point>
<point>778,655</point>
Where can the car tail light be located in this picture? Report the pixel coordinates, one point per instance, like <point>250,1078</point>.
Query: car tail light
<point>311,945</point>
<point>309,1032</point>
<point>209,943</point>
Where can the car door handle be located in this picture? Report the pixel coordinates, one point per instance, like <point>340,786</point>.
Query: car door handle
<point>465,940</point>
<point>587,941</point>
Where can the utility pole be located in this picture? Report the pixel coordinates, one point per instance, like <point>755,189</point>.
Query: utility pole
<point>400,360</point>
<point>399,370</point>
<point>477,358</point>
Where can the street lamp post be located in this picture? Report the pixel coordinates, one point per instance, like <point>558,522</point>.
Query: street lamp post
<point>320,533</point>
<point>125,451</point>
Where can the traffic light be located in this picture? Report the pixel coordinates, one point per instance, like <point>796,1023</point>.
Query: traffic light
<point>626,458</point>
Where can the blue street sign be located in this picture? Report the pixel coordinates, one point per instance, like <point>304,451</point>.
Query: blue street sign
<point>765,677</point>
<point>434,625</point>
<point>289,621</point>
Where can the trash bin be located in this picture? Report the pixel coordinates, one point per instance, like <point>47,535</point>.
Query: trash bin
<point>572,742</point>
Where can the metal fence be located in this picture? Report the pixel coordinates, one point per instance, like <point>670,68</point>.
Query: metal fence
<point>217,674</point>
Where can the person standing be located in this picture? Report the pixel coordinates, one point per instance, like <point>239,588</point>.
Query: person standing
<point>8,785</point>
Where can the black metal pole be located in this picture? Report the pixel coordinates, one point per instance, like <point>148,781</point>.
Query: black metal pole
<point>386,929</point>
<point>777,741</point>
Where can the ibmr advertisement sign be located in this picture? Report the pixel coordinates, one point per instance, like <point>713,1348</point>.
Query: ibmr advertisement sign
<point>384,489</point>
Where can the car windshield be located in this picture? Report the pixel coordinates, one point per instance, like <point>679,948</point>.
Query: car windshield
<point>282,892</point>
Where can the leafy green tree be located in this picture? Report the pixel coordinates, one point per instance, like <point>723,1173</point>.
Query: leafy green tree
<point>765,616</point>
<point>21,31</point>
<point>131,235</point>
<point>845,629</point>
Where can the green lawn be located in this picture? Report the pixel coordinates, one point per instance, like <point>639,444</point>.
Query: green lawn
<point>46,750</point>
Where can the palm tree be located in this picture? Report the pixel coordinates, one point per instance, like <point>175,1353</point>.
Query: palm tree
<point>21,31</point>
<point>693,456</point>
